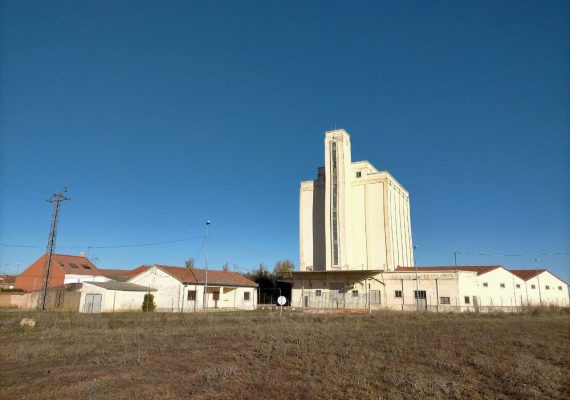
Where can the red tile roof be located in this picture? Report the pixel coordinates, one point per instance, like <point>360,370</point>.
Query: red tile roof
<point>215,277</point>
<point>526,274</point>
<point>76,265</point>
<point>123,275</point>
<point>480,269</point>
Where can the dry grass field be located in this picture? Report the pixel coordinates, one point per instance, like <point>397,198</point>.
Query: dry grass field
<point>260,355</point>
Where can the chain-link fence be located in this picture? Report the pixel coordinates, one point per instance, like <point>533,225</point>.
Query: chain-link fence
<point>338,300</point>
<point>352,300</point>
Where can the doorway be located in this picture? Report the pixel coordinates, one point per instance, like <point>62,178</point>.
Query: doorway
<point>421,299</point>
<point>92,303</point>
<point>216,296</point>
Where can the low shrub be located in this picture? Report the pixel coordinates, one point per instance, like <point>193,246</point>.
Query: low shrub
<point>148,303</point>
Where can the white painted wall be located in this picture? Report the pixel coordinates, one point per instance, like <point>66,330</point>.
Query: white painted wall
<point>555,295</point>
<point>113,300</point>
<point>493,294</point>
<point>454,285</point>
<point>168,295</point>
<point>72,278</point>
<point>172,295</point>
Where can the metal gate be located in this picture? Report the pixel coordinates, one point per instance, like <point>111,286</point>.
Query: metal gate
<point>92,303</point>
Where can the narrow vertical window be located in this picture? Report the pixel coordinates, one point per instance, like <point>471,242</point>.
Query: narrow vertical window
<point>334,203</point>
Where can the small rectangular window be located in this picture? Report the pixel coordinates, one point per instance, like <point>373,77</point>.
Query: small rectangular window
<point>547,287</point>
<point>559,287</point>
<point>421,294</point>
<point>467,300</point>
<point>246,296</point>
<point>359,174</point>
<point>533,286</point>
<point>216,296</point>
<point>85,266</point>
<point>444,300</point>
<point>485,284</point>
<point>518,285</point>
<point>502,285</point>
<point>318,293</point>
<point>398,293</point>
<point>375,297</point>
<point>355,293</point>
<point>73,265</point>
<point>192,295</point>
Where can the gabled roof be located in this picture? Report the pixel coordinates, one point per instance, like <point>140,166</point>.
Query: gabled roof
<point>122,275</point>
<point>526,274</point>
<point>216,277</point>
<point>196,275</point>
<point>76,265</point>
<point>480,269</point>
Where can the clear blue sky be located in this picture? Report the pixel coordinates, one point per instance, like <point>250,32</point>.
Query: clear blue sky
<point>160,115</point>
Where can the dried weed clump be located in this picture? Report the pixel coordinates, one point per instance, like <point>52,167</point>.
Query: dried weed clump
<point>261,355</point>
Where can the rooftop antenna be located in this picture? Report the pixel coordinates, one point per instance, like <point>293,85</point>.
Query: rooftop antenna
<point>56,201</point>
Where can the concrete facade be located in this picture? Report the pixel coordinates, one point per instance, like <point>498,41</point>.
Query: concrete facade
<point>484,288</point>
<point>355,236</point>
<point>353,216</point>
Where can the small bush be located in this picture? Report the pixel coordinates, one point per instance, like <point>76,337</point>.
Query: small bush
<point>148,302</point>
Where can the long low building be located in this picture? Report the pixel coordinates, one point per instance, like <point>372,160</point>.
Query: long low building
<point>443,288</point>
<point>77,284</point>
<point>184,289</point>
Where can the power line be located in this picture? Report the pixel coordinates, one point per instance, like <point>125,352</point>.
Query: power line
<point>127,218</point>
<point>200,249</point>
<point>26,188</point>
<point>18,245</point>
<point>138,244</point>
<point>110,246</point>
<point>511,255</point>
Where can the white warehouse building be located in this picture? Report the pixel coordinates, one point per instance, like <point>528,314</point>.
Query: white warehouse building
<point>356,250</point>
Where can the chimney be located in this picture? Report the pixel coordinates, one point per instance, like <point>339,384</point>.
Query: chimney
<point>82,254</point>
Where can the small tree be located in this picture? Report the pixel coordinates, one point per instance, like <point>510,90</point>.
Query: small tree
<point>148,303</point>
<point>189,263</point>
<point>261,276</point>
<point>283,269</point>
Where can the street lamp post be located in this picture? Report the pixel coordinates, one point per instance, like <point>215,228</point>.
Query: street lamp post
<point>206,284</point>
<point>538,283</point>
<point>417,280</point>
